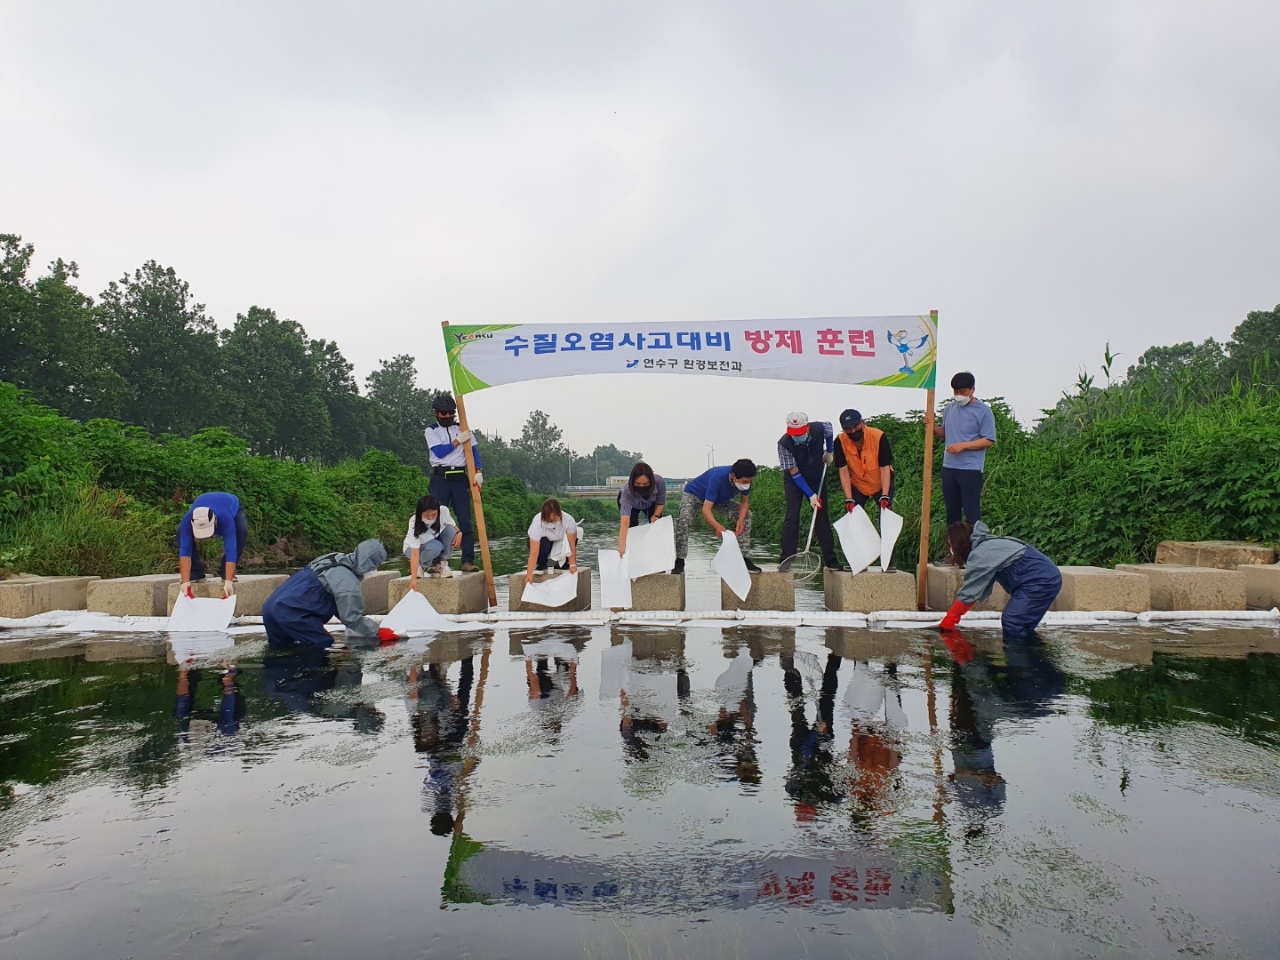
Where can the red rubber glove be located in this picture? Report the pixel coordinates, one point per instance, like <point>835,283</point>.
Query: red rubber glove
<point>387,635</point>
<point>190,591</point>
<point>884,502</point>
<point>849,506</point>
<point>952,619</point>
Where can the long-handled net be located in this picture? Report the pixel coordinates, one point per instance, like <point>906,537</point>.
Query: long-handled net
<point>805,566</point>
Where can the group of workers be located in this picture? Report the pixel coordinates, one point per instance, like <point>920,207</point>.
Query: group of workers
<point>860,453</point>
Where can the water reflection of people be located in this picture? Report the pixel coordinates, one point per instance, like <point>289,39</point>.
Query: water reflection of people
<point>231,704</point>
<point>811,779</point>
<point>301,676</point>
<point>735,737</point>
<point>984,692</point>
<point>440,717</point>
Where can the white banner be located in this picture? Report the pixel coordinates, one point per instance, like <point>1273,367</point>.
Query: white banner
<point>895,351</point>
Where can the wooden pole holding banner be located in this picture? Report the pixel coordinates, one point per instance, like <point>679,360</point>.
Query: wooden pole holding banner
<point>926,496</point>
<point>476,504</point>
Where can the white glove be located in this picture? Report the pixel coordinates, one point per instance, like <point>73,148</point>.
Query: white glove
<point>463,436</point>
<point>228,589</point>
<point>828,458</point>
<point>815,501</point>
<point>479,479</point>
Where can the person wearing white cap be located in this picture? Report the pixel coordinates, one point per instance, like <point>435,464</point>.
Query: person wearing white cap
<point>802,452</point>
<point>212,515</point>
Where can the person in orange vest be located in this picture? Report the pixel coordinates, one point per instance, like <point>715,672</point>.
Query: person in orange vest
<point>865,461</point>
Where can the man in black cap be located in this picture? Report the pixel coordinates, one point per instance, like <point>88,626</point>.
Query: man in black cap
<point>865,461</point>
<point>449,471</point>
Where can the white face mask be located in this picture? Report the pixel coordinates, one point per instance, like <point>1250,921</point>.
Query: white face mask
<point>744,487</point>
<point>962,399</point>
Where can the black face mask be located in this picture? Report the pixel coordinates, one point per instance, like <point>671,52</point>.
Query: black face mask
<point>443,420</point>
<point>643,492</point>
<point>856,435</point>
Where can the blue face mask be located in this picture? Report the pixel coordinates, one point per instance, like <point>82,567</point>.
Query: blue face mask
<point>803,438</point>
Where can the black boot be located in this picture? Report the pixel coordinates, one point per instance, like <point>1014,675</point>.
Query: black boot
<point>679,567</point>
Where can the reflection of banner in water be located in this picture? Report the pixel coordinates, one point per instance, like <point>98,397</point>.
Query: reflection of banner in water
<point>481,873</point>
<point>898,351</point>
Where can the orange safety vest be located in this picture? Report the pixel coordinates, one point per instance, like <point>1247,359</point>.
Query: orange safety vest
<point>864,466</point>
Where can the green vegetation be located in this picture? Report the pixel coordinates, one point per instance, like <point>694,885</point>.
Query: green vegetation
<point>152,404</point>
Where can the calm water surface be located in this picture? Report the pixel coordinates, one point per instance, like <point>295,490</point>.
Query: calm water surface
<point>644,792</point>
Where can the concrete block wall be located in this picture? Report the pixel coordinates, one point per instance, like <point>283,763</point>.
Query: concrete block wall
<point>27,596</point>
<point>1177,587</point>
<point>1219,554</point>
<point>1261,585</point>
<point>146,596</point>
<point>658,591</point>
<point>461,593</point>
<point>515,590</point>
<point>869,591</point>
<point>770,590</point>
<point>252,591</point>
<point>1097,588</point>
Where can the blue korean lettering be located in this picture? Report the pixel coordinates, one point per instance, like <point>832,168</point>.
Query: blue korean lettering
<point>718,338</point>
<point>602,341</point>
<point>660,341</point>
<point>516,344</point>
<point>691,340</point>
<point>572,341</point>
<point>544,343</point>
<point>637,343</point>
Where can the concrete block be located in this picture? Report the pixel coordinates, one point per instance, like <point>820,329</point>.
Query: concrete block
<point>1178,587</point>
<point>1220,554</point>
<point>770,590</point>
<point>375,588</point>
<point>515,590</point>
<point>252,591</point>
<point>146,596</point>
<point>943,584</point>
<point>1097,588</point>
<point>658,591</point>
<point>1261,585</point>
<point>461,593</point>
<point>869,591</point>
<point>856,644</point>
<point>652,643</point>
<point>26,596</point>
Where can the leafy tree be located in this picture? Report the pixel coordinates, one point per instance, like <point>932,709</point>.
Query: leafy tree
<point>1254,349</point>
<point>48,328</point>
<point>164,347</point>
<point>273,391</point>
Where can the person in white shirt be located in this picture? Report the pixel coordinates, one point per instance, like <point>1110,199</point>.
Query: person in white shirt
<point>431,540</point>
<point>553,538</point>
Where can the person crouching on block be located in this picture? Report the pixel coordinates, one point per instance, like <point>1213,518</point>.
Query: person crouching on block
<point>553,539</point>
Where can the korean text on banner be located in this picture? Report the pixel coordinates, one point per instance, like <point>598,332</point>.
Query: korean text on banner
<point>897,351</point>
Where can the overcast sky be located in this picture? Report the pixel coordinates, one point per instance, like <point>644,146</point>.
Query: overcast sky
<point>1049,176</point>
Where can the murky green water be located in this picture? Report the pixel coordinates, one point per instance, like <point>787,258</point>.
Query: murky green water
<point>645,792</point>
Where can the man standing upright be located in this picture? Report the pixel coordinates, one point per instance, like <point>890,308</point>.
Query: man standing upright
<point>968,427</point>
<point>803,452</point>
<point>449,471</point>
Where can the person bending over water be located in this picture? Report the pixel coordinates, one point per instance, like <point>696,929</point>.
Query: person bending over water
<point>1030,578</point>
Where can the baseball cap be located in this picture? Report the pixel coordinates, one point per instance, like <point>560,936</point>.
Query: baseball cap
<point>850,418</point>
<point>202,522</point>
<point>797,423</point>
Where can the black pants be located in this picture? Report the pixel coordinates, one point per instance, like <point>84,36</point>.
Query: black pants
<point>453,491</point>
<point>544,555</point>
<point>791,522</point>
<point>962,489</point>
<point>859,498</point>
<point>242,540</point>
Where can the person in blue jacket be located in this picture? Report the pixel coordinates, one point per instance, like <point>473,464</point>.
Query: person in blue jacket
<point>1030,578</point>
<point>212,515</point>
<point>328,586</point>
